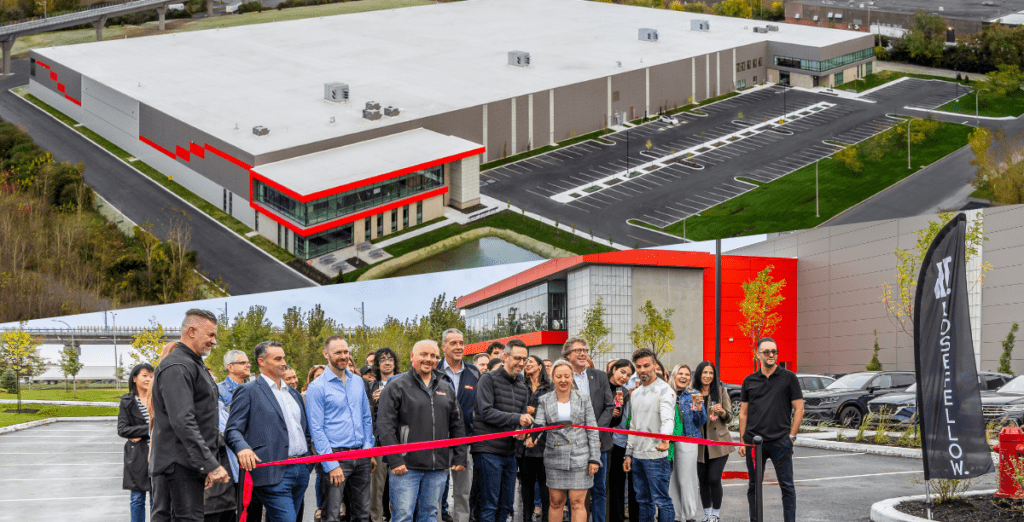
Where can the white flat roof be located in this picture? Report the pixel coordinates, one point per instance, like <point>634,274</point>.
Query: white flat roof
<point>362,161</point>
<point>426,60</point>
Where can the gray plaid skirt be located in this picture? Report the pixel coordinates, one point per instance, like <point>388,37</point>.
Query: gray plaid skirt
<point>569,480</point>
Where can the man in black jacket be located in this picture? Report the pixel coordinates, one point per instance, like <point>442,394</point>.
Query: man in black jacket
<point>500,406</point>
<point>417,478</point>
<point>185,452</point>
<point>463,378</point>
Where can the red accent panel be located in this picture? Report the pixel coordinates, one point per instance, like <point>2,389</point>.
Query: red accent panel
<point>76,102</point>
<point>197,149</point>
<point>53,76</point>
<point>181,153</point>
<point>227,156</point>
<point>347,219</point>
<point>60,88</point>
<point>531,339</point>
<point>726,475</point>
<point>149,142</point>
<point>41,64</point>
<point>369,181</point>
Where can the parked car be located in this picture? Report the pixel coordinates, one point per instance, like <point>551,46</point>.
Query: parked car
<point>901,407</point>
<point>845,401</point>
<point>665,118</point>
<point>808,382</point>
<point>1006,404</point>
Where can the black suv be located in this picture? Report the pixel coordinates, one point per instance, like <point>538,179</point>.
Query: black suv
<point>845,401</point>
<point>901,407</point>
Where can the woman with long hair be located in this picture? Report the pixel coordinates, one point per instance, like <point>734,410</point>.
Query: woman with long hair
<point>711,459</point>
<point>531,460</point>
<point>690,416</point>
<point>571,455</point>
<point>385,367</point>
<point>619,373</point>
<point>133,424</point>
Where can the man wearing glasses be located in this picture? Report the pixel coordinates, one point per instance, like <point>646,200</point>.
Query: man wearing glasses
<point>772,407</point>
<point>595,383</point>
<point>237,365</point>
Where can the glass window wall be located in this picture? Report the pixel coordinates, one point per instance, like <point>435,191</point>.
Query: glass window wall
<point>324,242</point>
<point>811,65</point>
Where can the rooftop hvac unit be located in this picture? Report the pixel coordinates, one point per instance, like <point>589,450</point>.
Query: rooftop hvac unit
<point>260,130</point>
<point>371,114</point>
<point>648,35</point>
<point>772,27</point>
<point>519,58</point>
<point>390,111</point>
<point>797,16</point>
<point>760,29</point>
<point>839,16</point>
<point>815,19</point>
<point>700,25</point>
<point>830,15</point>
<point>336,92</point>
<point>940,8</point>
<point>372,106</point>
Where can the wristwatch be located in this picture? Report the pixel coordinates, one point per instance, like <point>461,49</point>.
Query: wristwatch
<point>792,438</point>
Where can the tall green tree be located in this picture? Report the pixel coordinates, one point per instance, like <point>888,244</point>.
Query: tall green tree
<point>148,344</point>
<point>926,37</point>
<point>595,331</point>
<point>656,332</point>
<point>70,364</point>
<point>733,8</point>
<point>761,295</point>
<point>20,354</point>
<point>443,314</point>
<point>1008,343</point>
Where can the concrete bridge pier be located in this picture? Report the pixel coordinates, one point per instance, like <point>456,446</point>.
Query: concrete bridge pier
<point>98,24</point>
<point>161,13</point>
<point>6,46</point>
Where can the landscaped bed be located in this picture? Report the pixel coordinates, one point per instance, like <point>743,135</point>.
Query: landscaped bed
<point>985,508</point>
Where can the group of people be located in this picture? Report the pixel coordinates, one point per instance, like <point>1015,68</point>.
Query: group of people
<point>189,437</point>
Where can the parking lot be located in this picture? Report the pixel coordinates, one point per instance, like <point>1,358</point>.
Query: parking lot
<point>72,471</point>
<point>586,184</point>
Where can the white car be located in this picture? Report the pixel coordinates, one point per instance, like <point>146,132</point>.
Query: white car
<point>672,120</point>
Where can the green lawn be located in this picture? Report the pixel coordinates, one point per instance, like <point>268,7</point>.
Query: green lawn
<point>788,203</point>
<point>46,412</point>
<point>882,77</point>
<point>1012,105</point>
<point>984,192</point>
<point>83,394</point>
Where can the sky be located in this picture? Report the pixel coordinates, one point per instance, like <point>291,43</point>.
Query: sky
<point>400,297</point>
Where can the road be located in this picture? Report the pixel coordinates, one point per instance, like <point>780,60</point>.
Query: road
<point>222,253</point>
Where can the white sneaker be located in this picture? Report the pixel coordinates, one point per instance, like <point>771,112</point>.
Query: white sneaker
<point>713,518</point>
<point>707,518</point>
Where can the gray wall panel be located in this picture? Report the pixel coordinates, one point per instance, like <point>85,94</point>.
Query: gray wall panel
<point>631,88</point>
<point>69,78</point>
<point>580,107</point>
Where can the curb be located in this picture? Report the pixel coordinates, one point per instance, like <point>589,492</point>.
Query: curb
<point>43,422</point>
<point>958,115</point>
<point>886,451</point>
<point>61,403</point>
<point>885,510</point>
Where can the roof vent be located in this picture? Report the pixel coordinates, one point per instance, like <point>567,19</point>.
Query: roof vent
<point>372,106</point>
<point>839,16</point>
<point>371,114</point>
<point>700,25</point>
<point>797,16</point>
<point>519,58</point>
<point>336,92</point>
<point>760,29</point>
<point>815,19</point>
<point>260,130</point>
<point>648,35</point>
<point>390,111</point>
<point>772,27</point>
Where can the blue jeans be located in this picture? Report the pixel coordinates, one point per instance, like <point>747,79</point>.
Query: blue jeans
<point>497,485</point>
<point>281,501</point>
<point>416,492</point>
<point>781,453</point>
<point>598,497</point>
<point>138,505</point>
<point>651,479</point>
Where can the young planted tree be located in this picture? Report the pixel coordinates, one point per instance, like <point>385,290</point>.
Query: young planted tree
<point>875,365</point>
<point>656,332</point>
<point>760,296</point>
<point>148,344</point>
<point>1004,359</point>
<point>19,352</point>
<point>70,365</point>
<point>595,331</point>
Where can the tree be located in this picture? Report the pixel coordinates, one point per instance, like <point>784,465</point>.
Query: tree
<point>733,8</point>
<point>995,46</point>
<point>595,331</point>
<point>850,158</point>
<point>1004,359</point>
<point>1003,82</point>
<point>70,365</point>
<point>926,37</point>
<point>899,299</point>
<point>760,296</point>
<point>999,167</point>
<point>9,381</point>
<point>656,331</point>
<point>19,352</point>
<point>699,8</point>
<point>119,371</point>
<point>148,344</point>
<point>443,314</point>
<point>875,365</point>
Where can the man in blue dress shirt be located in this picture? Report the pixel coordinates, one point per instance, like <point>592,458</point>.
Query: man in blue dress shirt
<point>340,420</point>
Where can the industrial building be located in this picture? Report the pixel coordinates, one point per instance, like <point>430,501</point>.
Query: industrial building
<point>893,18</point>
<point>321,133</point>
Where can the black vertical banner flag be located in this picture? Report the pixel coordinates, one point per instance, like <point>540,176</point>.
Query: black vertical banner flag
<point>948,394</point>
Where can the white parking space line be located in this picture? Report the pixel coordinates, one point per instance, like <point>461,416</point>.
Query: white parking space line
<point>50,499</point>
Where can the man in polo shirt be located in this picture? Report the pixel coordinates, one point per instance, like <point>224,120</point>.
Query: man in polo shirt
<point>339,420</point>
<point>771,406</point>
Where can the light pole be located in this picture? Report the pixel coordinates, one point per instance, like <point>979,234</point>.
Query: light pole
<point>117,380</point>
<point>908,143</point>
<point>627,152</point>
<point>74,386</point>
<point>977,119</point>
<point>817,201</point>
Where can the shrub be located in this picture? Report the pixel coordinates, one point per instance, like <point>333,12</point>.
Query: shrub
<point>251,7</point>
<point>875,365</point>
<point>9,381</point>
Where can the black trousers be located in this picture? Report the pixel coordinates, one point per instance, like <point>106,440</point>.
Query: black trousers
<point>531,471</point>
<point>354,491</point>
<point>617,480</point>
<point>178,495</point>
<point>709,475</point>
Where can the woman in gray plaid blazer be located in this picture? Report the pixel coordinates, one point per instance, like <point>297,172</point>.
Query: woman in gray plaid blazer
<point>571,455</point>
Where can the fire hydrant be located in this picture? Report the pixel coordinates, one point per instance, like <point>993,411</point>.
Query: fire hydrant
<point>1011,451</point>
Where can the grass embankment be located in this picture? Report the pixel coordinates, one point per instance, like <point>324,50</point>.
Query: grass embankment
<point>788,203</point>
<point>196,201</point>
<point>998,107</point>
<point>46,412</point>
<point>507,220</point>
<point>77,36</point>
<point>883,77</point>
<point>58,394</point>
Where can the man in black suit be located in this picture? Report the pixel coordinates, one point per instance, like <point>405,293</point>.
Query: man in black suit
<point>595,383</point>
<point>185,447</point>
<point>268,423</point>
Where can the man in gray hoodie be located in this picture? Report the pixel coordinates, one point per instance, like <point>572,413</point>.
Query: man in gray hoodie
<point>653,410</point>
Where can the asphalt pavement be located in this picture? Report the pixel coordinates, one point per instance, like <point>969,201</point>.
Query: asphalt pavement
<point>221,252</point>
<point>72,471</point>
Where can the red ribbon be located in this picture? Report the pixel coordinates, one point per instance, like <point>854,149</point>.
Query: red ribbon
<point>674,438</point>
